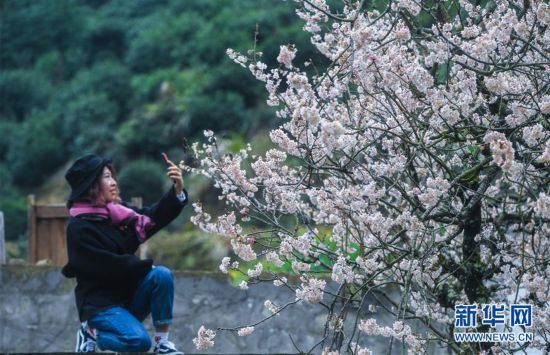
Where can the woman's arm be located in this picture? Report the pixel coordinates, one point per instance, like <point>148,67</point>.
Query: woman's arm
<point>170,205</point>
<point>164,211</point>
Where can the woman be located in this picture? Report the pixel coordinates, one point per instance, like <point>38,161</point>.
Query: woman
<point>115,289</point>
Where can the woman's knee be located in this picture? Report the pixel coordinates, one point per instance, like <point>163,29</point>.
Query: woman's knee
<point>118,330</point>
<point>137,342</point>
<point>162,273</point>
<point>140,342</point>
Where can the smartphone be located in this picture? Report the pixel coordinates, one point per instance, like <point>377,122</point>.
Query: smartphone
<point>166,159</point>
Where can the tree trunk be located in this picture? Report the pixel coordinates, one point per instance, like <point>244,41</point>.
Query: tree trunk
<point>473,275</point>
<point>473,268</point>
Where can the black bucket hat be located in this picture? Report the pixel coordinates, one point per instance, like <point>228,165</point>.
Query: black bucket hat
<point>82,174</point>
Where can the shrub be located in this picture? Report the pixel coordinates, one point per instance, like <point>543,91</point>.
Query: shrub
<point>89,123</point>
<point>22,91</point>
<point>188,250</point>
<point>35,150</point>
<point>142,178</point>
<point>15,216</point>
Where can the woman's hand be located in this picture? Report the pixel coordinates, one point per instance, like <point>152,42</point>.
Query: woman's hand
<point>174,172</point>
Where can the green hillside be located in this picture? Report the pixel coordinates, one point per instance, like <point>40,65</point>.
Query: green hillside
<point>127,79</point>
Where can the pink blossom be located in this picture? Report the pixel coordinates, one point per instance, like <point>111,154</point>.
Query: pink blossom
<point>280,282</point>
<point>542,205</point>
<point>208,133</point>
<point>224,265</point>
<point>271,306</point>
<point>257,271</point>
<point>543,13</point>
<point>204,339</point>
<point>382,155</point>
<point>534,134</point>
<point>402,32</point>
<point>503,152</point>
<point>302,243</point>
<point>236,57</point>
<point>286,55</point>
<point>409,5</point>
<point>311,290</point>
<point>342,272</point>
<point>244,251</point>
<point>299,267</point>
<point>272,257</point>
<point>245,331</point>
<point>545,105</point>
<point>359,350</point>
<point>545,156</point>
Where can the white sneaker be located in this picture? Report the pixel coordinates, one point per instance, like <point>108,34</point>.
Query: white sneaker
<point>167,348</point>
<point>85,341</point>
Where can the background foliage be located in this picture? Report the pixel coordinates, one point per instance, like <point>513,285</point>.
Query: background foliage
<point>126,79</point>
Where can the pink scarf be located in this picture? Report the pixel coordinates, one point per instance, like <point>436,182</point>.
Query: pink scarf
<point>120,215</point>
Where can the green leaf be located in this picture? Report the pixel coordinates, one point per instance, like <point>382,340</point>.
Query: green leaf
<point>473,149</point>
<point>390,258</point>
<point>472,176</point>
<point>236,277</point>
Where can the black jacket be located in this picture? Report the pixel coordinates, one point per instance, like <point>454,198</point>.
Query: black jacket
<point>101,256</point>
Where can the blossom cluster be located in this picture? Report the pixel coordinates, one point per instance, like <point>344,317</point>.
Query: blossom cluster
<point>417,157</point>
<point>398,331</point>
<point>204,339</point>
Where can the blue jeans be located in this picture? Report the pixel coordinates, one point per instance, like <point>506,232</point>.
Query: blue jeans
<point>120,329</point>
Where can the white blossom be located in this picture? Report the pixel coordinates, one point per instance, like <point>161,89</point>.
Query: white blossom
<point>225,264</point>
<point>271,306</point>
<point>256,271</point>
<point>542,205</point>
<point>411,147</point>
<point>286,55</point>
<point>311,290</point>
<point>245,331</point>
<point>204,339</point>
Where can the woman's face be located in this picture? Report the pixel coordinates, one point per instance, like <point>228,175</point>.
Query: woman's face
<point>108,186</point>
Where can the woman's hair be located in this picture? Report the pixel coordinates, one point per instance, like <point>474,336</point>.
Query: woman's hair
<point>94,192</point>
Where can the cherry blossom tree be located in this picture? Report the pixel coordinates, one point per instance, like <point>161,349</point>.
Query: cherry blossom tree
<point>417,161</point>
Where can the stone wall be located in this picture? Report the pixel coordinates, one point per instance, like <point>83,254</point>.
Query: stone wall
<point>37,314</point>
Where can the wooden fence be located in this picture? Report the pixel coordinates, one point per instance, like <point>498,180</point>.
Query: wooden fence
<point>47,226</point>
